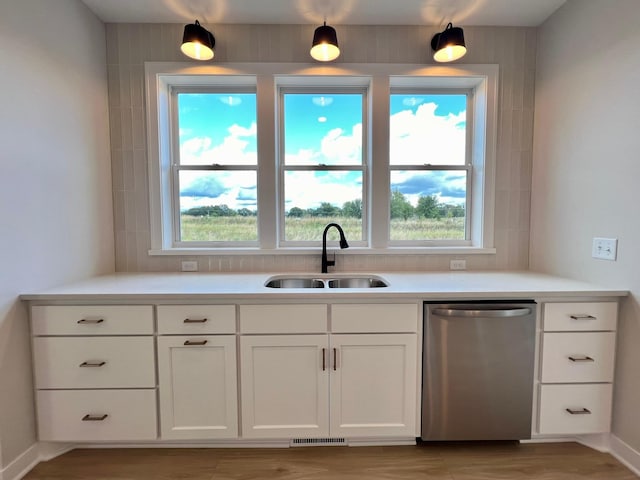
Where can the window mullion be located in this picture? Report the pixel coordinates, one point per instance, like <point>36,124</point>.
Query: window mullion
<point>379,191</point>
<point>267,172</point>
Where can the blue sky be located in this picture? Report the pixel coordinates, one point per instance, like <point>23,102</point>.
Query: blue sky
<point>319,129</point>
<point>310,119</point>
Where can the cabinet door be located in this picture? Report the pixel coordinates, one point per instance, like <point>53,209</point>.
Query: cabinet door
<point>373,385</point>
<point>285,386</point>
<point>198,387</point>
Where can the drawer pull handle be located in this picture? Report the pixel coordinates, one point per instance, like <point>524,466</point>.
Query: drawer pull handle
<point>581,359</point>
<point>582,411</point>
<point>86,321</point>
<point>196,320</point>
<point>94,418</point>
<point>583,316</point>
<point>92,364</point>
<point>193,342</point>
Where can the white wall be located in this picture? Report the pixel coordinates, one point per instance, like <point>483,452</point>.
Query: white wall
<point>130,45</point>
<point>586,171</point>
<point>55,182</point>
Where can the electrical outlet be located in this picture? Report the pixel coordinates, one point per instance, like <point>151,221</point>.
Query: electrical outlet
<point>189,266</point>
<point>605,248</point>
<point>458,265</point>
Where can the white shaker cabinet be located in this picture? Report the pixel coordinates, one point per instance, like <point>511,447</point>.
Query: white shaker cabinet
<point>321,384</point>
<point>197,373</point>
<point>576,368</point>
<point>373,385</point>
<point>285,386</point>
<point>94,372</point>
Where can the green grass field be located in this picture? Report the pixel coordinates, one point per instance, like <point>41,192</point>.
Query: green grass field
<point>231,229</point>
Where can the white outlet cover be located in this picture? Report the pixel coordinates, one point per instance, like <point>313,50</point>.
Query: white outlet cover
<point>189,266</point>
<point>458,265</point>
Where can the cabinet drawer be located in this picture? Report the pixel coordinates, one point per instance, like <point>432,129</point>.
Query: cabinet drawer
<point>578,357</point>
<point>374,318</point>
<point>94,362</point>
<point>96,415</point>
<point>580,316</point>
<point>590,404</point>
<point>283,319</point>
<point>196,319</point>
<point>92,320</point>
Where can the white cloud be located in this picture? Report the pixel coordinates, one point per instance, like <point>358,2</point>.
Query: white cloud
<point>232,150</point>
<point>307,190</point>
<point>231,100</point>
<point>340,149</point>
<point>336,148</point>
<point>416,138</point>
<point>425,137</point>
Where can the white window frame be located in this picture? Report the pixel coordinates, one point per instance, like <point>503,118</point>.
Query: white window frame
<point>322,86</point>
<point>176,168</point>
<point>481,79</point>
<point>468,167</point>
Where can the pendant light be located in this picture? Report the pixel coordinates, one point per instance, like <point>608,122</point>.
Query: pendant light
<point>325,44</point>
<point>197,42</point>
<point>448,45</point>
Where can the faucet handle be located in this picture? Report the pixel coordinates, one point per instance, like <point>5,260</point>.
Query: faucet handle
<point>332,262</point>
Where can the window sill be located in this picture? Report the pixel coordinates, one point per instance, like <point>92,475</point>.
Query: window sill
<point>316,251</point>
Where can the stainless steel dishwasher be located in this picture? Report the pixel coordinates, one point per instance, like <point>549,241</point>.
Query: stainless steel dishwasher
<point>477,376</point>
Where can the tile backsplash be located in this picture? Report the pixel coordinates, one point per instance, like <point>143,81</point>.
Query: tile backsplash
<point>130,45</point>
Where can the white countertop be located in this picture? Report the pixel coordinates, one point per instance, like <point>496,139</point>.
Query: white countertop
<point>135,287</point>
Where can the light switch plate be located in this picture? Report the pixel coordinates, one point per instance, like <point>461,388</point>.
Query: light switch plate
<point>605,248</point>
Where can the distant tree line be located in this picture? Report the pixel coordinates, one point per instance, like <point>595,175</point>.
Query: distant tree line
<point>219,211</point>
<point>427,207</point>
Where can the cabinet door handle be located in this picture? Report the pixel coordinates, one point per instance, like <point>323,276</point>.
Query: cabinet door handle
<point>94,418</point>
<point>86,321</point>
<point>324,359</point>
<point>335,359</point>
<point>581,359</point>
<point>195,342</point>
<point>195,320</point>
<point>92,364</point>
<point>583,316</point>
<point>582,411</point>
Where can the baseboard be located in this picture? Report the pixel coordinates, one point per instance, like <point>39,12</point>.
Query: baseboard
<point>21,465</point>
<point>51,450</point>
<point>598,441</point>
<point>625,454</point>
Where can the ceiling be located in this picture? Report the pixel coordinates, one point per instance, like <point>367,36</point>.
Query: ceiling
<point>336,12</point>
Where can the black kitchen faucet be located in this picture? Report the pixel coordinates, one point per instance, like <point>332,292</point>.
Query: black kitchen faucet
<point>343,244</point>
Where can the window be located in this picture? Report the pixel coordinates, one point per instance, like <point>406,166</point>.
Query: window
<point>322,164</point>
<point>430,167</point>
<point>255,158</point>
<point>215,168</point>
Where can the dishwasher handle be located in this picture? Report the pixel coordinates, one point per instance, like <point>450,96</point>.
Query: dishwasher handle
<point>488,313</point>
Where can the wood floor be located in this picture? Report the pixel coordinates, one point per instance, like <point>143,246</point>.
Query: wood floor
<point>509,461</point>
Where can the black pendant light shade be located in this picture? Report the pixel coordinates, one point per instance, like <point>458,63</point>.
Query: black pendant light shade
<point>197,42</point>
<point>325,44</point>
<point>448,45</point>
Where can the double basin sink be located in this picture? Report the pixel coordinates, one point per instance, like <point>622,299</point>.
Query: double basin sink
<point>353,281</point>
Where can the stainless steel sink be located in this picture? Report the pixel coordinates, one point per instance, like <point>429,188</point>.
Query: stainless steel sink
<point>365,281</point>
<point>357,282</point>
<point>294,282</point>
